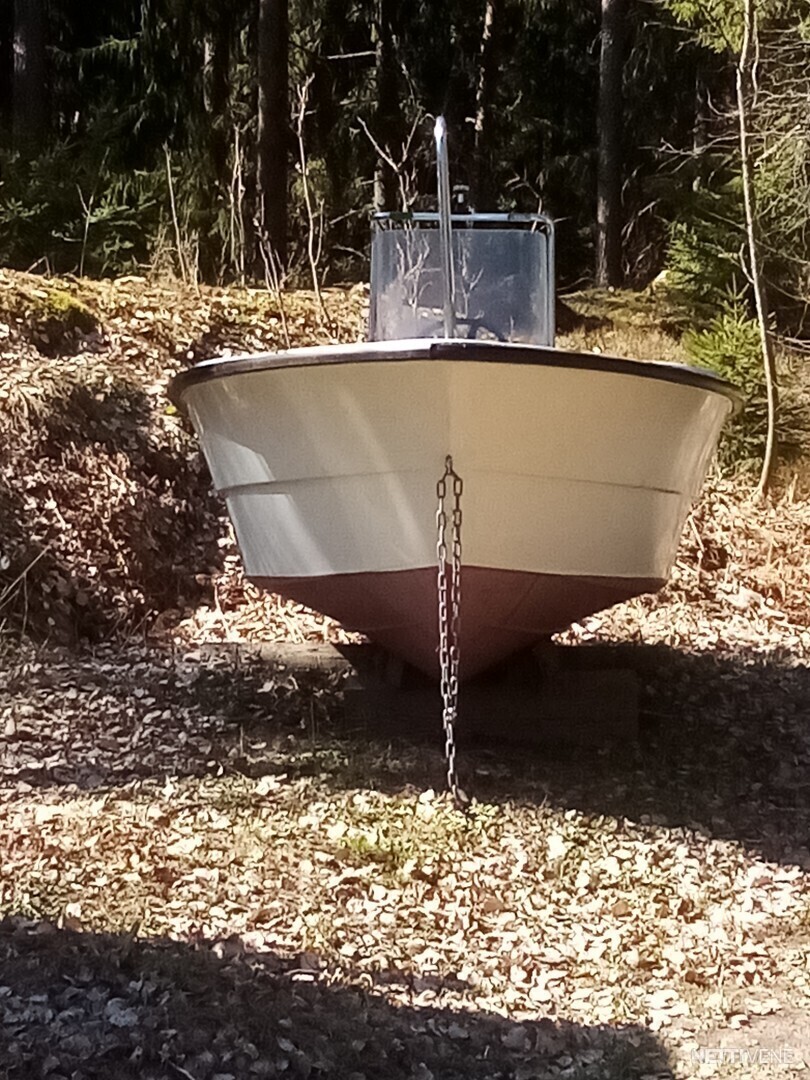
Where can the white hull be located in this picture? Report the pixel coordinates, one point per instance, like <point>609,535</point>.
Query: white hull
<point>332,469</point>
<point>573,466</point>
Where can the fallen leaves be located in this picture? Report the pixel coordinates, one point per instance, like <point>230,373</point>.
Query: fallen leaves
<point>485,912</point>
<point>106,516</point>
<point>204,876</point>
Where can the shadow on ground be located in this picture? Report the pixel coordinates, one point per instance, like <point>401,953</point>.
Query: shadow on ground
<point>90,1006</point>
<point>724,744</point>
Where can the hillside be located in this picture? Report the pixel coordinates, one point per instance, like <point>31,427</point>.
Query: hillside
<point>107,518</point>
<point>205,873</point>
<point>108,524</point>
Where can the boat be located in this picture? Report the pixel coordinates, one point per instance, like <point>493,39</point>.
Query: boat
<point>457,459</point>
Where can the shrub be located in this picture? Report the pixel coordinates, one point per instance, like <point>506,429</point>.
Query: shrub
<point>70,211</point>
<point>703,261</point>
<point>729,345</point>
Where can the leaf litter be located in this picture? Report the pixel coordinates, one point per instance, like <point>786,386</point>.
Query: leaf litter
<point>205,873</point>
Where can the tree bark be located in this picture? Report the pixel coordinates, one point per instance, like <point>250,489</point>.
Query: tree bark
<point>700,134</point>
<point>746,91</point>
<point>272,137</point>
<point>218,48</point>
<point>387,114</point>
<point>483,194</point>
<point>609,171</point>
<point>29,91</point>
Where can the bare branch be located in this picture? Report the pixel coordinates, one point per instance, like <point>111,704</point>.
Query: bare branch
<point>746,92</point>
<point>313,232</point>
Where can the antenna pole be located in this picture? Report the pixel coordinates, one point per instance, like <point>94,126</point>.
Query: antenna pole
<point>445,227</point>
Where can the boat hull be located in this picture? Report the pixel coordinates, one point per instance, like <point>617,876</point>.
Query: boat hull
<point>504,611</point>
<point>578,473</point>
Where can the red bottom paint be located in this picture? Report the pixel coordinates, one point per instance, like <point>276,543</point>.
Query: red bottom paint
<point>502,611</point>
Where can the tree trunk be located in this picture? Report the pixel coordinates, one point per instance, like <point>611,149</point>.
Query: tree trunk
<point>218,48</point>
<point>746,91</point>
<point>29,92</point>
<point>6,70</point>
<point>483,193</point>
<point>700,134</point>
<point>387,114</point>
<point>272,137</point>
<point>609,173</point>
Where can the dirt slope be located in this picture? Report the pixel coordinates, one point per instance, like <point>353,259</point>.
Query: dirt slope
<point>105,515</point>
<point>203,874</point>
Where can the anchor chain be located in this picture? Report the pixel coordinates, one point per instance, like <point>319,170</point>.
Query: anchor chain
<point>449,585</point>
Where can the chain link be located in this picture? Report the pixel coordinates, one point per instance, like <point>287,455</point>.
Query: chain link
<point>449,586</point>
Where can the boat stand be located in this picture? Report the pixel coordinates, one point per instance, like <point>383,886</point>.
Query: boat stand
<point>533,699</point>
<point>551,696</point>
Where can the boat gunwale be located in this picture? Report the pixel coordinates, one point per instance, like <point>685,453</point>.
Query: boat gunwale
<point>453,350</point>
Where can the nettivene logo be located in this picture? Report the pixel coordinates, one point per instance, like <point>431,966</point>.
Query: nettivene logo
<point>746,1055</point>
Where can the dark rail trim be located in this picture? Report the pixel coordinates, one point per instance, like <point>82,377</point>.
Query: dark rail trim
<point>456,350</point>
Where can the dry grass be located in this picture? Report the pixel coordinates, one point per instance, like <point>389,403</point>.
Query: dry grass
<point>622,323</point>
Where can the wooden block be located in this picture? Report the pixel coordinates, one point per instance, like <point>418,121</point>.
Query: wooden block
<point>587,708</point>
<point>578,708</point>
<point>304,656</point>
<point>556,699</point>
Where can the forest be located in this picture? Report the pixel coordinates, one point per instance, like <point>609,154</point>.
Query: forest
<point>213,136</point>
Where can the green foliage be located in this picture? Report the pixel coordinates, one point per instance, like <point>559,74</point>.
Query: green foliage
<point>72,213</point>
<point>70,311</point>
<point>384,846</point>
<point>128,81</point>
<point>730,346</point>
<point>719,24</point>
<point>706,280</point>
<point>782,182</point>
<point>702,261</point>
<point>57,317</point>
<point>708,245</point>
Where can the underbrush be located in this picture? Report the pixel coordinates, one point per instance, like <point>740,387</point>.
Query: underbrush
<point>106,514</point>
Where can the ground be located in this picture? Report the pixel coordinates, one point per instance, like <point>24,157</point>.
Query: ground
<point>205,872</point>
